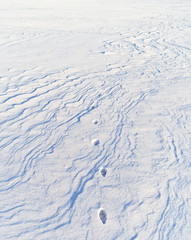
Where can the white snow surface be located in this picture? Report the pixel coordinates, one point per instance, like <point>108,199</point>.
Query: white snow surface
<point>73,72</point>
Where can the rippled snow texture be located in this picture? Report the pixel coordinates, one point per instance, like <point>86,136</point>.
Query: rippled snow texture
<point>87,85</point>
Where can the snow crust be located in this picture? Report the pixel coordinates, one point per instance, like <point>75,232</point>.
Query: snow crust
<point>95,120</point>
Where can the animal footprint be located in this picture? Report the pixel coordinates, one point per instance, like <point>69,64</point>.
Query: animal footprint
<point>103,216</point>
<point>95,121</point>
<point>95,142</point>
<point>103,172</point>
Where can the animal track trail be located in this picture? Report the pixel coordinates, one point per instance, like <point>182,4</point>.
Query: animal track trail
<point>103,172</point>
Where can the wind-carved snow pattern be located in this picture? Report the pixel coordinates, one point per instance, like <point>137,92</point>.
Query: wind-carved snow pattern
<point>95,120</point>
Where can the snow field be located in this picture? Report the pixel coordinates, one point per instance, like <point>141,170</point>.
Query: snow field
<point>95,120</point>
